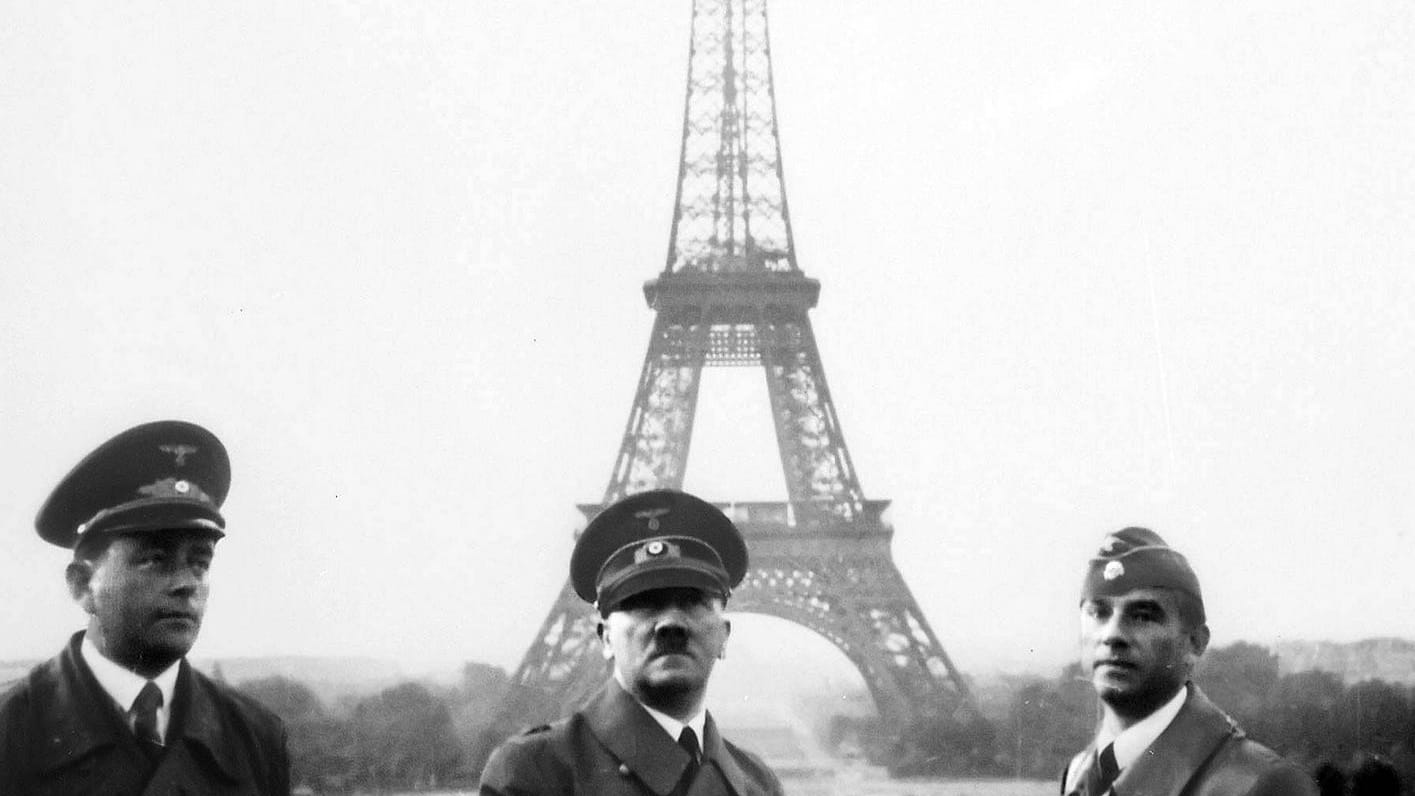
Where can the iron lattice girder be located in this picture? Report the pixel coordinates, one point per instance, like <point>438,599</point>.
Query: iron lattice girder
<point>730,213</point>
<point>837,577</point>
<point>736,319</point>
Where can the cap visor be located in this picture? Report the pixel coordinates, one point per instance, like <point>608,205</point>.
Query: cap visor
<point>674,574</point>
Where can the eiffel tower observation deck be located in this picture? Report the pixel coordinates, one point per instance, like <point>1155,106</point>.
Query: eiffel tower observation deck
<point>731,293</point>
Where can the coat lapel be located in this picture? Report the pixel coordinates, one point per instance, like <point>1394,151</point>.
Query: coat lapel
<point>631,735</point>
<point>89,720</point>
<point>197,725</point>
<point>1180,751</point>
<point>715,750</point>
<point>1076,770</point>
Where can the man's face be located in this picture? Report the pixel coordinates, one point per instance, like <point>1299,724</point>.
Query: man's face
<point>1137,649</point>
<point>664,643</point>
<point>145,594</point>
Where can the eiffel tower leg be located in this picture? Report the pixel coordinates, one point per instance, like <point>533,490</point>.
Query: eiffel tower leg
<point>654,451</point>
<point>819,474</point>
<point>844,586</point>
<point>563,667</point>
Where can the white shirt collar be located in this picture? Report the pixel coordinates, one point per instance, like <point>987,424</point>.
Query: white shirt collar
<point>1134,740</point>
<point>670,725</point>
<point>123,684</point>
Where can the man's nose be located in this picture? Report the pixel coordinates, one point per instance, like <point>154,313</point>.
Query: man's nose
<point>185,580</point>
<point>670,628</point>
<point>1111,630</point>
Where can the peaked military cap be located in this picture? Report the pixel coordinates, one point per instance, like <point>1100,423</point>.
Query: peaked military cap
<point>656,540</point>
<point>167,475</point>
<point>1138,558</point>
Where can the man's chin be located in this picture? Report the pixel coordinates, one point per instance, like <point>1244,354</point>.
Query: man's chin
<point>170,646</point>
<point>673,679</point>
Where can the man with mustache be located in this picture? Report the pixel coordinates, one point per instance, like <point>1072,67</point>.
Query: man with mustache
<point>120,711</point>
<point>659,566</point>
<point>1142,630</point>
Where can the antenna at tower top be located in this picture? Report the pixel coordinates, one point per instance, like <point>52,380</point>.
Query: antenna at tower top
<point>730,213</point>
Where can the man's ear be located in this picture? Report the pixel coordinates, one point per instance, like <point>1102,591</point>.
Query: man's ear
<point>1199,640</point>
<point>604,648</point>
<point>79,576</point>
<point>726,634</point>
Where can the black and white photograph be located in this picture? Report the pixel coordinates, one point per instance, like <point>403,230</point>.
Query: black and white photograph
<point>707,397</point>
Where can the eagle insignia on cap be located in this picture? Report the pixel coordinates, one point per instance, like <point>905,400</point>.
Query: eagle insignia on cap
<point>1113,570</point>
<point>179,452</point>
<point>652,516</point>
<point>1109,543</point>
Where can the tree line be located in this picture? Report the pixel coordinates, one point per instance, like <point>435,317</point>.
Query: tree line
<point>413,736</point>
<point>1312,717</point>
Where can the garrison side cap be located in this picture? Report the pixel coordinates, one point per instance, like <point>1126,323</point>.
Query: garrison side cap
<point>1135,558</point>
<point>663,538</point>
<point>165,475</point>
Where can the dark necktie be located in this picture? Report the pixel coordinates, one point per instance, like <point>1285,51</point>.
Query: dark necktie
<point>689,741</point>
<point>145,719</point>
<point>1102,773</point>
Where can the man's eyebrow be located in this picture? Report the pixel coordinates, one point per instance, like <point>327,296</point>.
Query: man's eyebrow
<point>1146,604</point>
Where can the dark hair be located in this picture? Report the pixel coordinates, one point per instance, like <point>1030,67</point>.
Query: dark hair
<point>1191,610</point>
<point>1331,780</point>
<point>91,548</point>
<point>1375,776</point>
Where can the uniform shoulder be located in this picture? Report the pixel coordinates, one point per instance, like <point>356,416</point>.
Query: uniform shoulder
<point>16,694</point>
<point>755,767</point>
<point>532,738</point>
<point>235,701</point>
<point>1279,775</point>
<point>528,762</point>
<point>1271,773</point>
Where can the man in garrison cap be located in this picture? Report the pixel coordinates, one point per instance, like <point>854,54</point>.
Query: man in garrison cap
<point>120,711</point>
<point>659,567</point>
<point>1142,630</point>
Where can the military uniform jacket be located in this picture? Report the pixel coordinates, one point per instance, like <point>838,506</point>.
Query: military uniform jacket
<point>1201,753</point>
<point>613,746</point>
<point>60,733</point>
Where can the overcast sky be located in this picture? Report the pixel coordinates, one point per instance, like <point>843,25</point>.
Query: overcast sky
<point>1083,266</point>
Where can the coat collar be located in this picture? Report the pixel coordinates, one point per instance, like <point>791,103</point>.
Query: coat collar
<point>78,717</point>
<point>198,721</point>
<point>640,743</point>
<point>81,718</point>
<point>715,749</point>
<point>1181,750</point>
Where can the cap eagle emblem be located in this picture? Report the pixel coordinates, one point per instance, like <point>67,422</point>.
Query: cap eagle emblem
<point>179,452</point>
<point>652,516</point>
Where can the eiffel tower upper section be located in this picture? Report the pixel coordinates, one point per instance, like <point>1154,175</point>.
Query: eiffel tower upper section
<point>731,292</point>
<point>730,214</point>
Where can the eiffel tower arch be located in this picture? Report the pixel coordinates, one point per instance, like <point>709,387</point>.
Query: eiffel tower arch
<point>731,294</point>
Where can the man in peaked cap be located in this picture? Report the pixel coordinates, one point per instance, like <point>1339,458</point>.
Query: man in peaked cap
<point>1143,628</point>
<point>659,567</point>
<point>119,710</point>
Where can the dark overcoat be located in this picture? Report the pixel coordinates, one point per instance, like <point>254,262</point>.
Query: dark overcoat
<point>60,733</point>
<point>612,747</point>
<point>1201,753</point>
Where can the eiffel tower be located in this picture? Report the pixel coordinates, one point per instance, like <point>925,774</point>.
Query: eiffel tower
<point>732,294</point>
